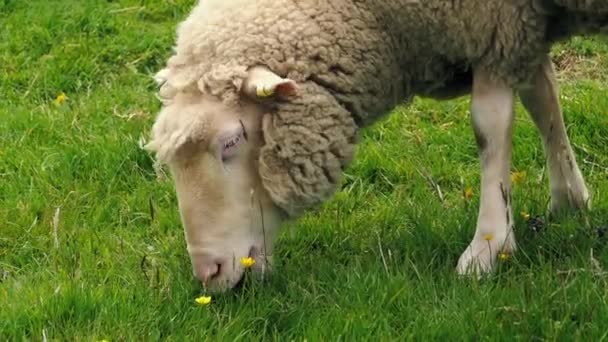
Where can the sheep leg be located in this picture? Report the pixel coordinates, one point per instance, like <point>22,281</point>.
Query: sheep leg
<point>541,100</point>
<point>492,118</point>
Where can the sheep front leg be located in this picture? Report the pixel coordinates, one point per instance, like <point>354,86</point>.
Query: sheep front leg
<point>492,119</point>
<point>541,100</point>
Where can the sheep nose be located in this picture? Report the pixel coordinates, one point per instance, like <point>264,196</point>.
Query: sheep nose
<point>206,270</point>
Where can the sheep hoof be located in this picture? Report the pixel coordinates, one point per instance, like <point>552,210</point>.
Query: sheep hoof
<point>482,254</point>
<point>569,201</point>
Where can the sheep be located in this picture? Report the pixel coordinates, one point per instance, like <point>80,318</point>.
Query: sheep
<point>263,102</point>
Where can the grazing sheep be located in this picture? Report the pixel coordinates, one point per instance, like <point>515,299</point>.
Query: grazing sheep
<point>264,99</point>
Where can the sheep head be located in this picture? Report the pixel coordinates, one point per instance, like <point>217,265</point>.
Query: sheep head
<point>241,169</point>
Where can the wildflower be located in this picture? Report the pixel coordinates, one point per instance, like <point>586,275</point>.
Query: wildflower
<point>518,177</point>
<point>60,99</point>
<point>503,256</point>
<point>247,262</point>
<point>488,237</point>
<point>525,215</point>
<point>468,193</point>
<point>203,300</point>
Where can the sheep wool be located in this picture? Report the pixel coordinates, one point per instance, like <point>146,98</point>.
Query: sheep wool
<point>354,61</point>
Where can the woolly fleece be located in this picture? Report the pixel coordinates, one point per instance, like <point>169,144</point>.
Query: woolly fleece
<point>354,62</point>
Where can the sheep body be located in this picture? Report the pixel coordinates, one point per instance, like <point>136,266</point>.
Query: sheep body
<point>355,61</point>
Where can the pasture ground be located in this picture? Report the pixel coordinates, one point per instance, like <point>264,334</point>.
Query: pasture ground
<point>377,261</point>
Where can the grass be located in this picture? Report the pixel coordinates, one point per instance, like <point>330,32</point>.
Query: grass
<point>376,262</point>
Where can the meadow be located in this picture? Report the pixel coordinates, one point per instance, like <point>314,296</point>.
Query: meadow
<point>92,248</point>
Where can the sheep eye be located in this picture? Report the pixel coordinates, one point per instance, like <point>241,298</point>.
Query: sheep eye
<point>229,147</point>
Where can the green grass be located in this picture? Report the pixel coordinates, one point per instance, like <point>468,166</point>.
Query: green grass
<point>121,271</point>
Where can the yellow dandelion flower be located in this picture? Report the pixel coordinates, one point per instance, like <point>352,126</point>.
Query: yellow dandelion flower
<point>525,215</point>
<point>203,300</point>
<point>503,256</point>
<point>518,177</point>
<point>468,193</point>
<point>60,99</point>
<point>247,262</point>
<point>488,237</point>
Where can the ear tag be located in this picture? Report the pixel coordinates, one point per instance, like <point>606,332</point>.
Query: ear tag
<point>264,92</point>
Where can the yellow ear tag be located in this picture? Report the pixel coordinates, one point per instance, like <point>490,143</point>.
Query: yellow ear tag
<point>263,92</point>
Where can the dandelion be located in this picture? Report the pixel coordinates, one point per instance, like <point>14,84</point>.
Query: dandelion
<point>518,177</point>
<point>60,99</point>
<point>247,262</point>
<point>525,215</point>
<point>503,256</point>
<point>468,193</point>
<point>203,300</point>
<point>488,237</point>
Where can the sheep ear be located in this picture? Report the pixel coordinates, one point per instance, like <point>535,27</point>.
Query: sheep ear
<point>262,84</point>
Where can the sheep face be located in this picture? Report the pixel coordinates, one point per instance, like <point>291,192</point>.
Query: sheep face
<point>212,152</point>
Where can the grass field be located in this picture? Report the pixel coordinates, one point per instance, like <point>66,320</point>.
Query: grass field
<point>91,246</point>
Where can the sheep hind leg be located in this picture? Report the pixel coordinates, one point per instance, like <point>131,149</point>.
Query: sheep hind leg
<point>541,100</point>
<point>492,118</point>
